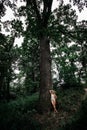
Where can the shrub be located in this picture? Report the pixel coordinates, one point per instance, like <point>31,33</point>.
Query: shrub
<point>80,120</point>
<point>17,115</point>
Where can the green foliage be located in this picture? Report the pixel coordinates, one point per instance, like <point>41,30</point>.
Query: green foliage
<point>65,60</point>
<point>18,114</point>
<point>29,64</point>
<point>62,29</point>
<point>68,98</point>
<point>17,26</point>
<point>23,114</point>
<point>79,122</point>
<point>6,58</point>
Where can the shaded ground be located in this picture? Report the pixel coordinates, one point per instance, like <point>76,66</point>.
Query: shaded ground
<point>53,121</point>
<point>21,114</point>
<point>69,104</point>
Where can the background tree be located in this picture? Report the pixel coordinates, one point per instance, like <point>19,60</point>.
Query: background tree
<point>30,64</point>
<point>82,42</point>
<point>6,44</point>
<point>65,31</point>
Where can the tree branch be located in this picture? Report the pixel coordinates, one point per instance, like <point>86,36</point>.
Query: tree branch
<point>46,11</point>
<point>34,6</point>
<point>36,10</point>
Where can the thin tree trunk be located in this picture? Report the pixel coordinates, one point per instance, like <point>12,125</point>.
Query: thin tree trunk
<point>1,85</point>
<point>8,79</point>
<point>45,75</point>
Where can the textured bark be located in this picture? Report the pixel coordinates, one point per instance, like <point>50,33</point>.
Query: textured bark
<point>45,59</point>
<point>45,75</point>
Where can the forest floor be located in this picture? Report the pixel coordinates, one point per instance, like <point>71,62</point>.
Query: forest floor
<point>69,104</point>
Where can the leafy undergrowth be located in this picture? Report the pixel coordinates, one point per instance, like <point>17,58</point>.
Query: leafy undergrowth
<point>17,115</point>
<point>69,102</point>
<point>22,115</point>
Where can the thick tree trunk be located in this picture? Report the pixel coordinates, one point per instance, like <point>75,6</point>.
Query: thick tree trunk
<point>45,75</point>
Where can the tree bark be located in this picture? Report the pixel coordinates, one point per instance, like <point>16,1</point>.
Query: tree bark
<point>45,57</point>
<point>45,75</point>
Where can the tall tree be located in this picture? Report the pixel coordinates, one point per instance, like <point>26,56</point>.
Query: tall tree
<point>6,44</point>
<point>42,17</point>
<point>40,11</point>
